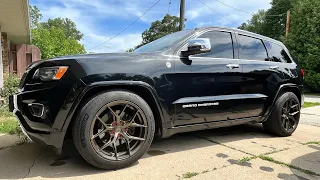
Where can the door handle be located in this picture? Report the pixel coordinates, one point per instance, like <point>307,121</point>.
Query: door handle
<point>232,66</point>
<point>274,67</point>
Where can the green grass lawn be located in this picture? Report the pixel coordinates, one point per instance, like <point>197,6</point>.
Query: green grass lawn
<point>8,125</point>
<point>8,122</point>
<point>310,104</point>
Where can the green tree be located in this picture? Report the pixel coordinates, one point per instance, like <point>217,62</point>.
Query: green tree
<point>130,50</point>
<point>270,23</point>
<point>67,24</point>
<point>276,25</point>
<point>304,40</point>
<point>53,42</point>
<point>56,37</point>
<point>169,24</point>
<point>256,23</point>
<point>35,16</point>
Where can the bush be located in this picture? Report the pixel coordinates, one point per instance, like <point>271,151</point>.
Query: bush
<point>304,40</point>
<point>312,80</point>
<point>10,86</point>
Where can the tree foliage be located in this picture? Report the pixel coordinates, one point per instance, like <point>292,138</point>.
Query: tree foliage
<point>256,23</point>
<point>35,16</point>
<point>304,39</point>
<point>270,23</point>
<point>276,25</point>
<point>169,24</point>
<point>56,37</point>
<point>67,24</point>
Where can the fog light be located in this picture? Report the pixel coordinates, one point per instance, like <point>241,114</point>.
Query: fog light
<point>36,109</point>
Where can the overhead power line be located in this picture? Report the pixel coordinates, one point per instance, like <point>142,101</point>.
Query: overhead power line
<point>213,10</point>
<point>126,27</point>
<point>234,7</point>
<point>246,11</point>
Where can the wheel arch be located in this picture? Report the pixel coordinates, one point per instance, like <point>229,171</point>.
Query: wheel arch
<point>142,89</point>
<point>297,90</point>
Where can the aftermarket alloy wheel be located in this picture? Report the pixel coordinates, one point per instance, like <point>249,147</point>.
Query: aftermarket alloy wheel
<point>285,115</point>
<point>114,129</point>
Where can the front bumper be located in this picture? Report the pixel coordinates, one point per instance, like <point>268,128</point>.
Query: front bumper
<point>36,131</point>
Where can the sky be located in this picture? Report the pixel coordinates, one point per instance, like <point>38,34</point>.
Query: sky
<point>100,20</point>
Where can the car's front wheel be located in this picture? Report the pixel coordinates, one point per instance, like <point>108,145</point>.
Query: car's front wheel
<point>285,115</point>
<point>114,129</point>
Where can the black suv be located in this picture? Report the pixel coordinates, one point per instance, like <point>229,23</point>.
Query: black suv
<point>113,105</point>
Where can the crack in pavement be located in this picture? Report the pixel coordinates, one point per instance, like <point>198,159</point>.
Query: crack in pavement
<point>223,145</point>
<point>33,163</point>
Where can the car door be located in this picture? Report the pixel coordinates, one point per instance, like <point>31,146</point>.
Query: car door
<point>261,77</point>
<point>208,85</point>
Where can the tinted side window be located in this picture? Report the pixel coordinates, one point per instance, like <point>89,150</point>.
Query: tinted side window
<point>277,53</point>
<point>252,48</point>
<point>221,45</point>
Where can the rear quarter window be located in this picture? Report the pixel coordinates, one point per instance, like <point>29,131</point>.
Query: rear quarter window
<point>277,53</point>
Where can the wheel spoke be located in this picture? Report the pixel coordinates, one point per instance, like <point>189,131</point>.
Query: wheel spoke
<point>115,150</point>
<point>127,136</point>
<point>283,122</point>
<point>293,119</point>
<point>135,125</point>
<point>289,104</point>
<point>105,145</point>
<point>294,113</point>
<point>110,142</point>
<point>123,110</point>
<point>99,133</point>
<point>287,124</point>
<point>294,106</point>
<point>108,128</point>
<point>132,122</point>
<point>115,115</point>
<point>127,143</point>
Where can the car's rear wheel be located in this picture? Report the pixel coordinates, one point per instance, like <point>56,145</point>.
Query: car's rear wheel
<point>114,129</point>
<point>285,115</point>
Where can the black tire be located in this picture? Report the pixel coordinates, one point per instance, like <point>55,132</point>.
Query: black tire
<point>83,123</point>
<point>274,124</point>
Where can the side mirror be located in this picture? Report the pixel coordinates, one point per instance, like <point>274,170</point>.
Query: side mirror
<point>197,46</point>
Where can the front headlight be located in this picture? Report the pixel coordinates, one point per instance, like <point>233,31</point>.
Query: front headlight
<point>50,73</point>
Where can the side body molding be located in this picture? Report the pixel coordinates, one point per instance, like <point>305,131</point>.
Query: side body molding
<point>218,98</point>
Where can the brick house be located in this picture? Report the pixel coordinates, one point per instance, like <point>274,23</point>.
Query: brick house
<point>15,52</point>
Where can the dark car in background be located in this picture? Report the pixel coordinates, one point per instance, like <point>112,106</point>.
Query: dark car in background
<point>113,105</point>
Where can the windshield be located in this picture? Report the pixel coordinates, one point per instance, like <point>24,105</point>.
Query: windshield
<point>164,42</point>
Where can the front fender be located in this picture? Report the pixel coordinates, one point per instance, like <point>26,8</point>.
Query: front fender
<point>109,84</point>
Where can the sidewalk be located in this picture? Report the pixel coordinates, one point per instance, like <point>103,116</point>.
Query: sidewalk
<point>311,98</point>
<point>310,116</point>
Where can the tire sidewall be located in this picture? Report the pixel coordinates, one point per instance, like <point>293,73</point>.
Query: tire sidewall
<point>278,111</point>
<point>87,115</point>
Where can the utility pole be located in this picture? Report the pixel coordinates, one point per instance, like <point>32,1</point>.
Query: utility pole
<point>288,23</point>
<point>182,7</point>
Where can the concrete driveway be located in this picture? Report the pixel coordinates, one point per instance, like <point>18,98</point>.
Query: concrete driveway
<point>225,153</point>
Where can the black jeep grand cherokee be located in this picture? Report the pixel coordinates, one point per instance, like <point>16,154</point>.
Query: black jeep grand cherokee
<point>113,105</point>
